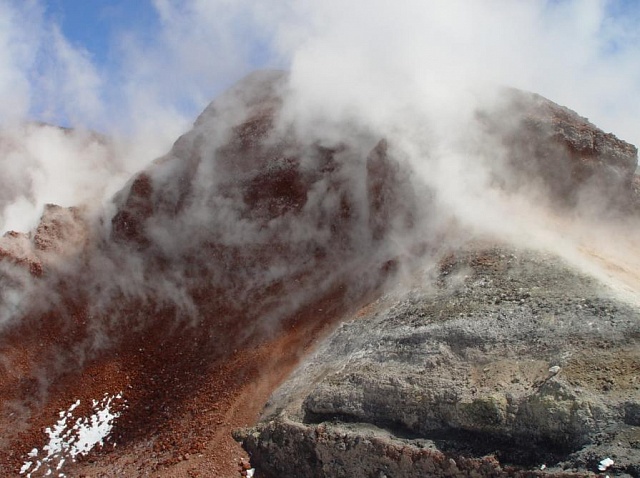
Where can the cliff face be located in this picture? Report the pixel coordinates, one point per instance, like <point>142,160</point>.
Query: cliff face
<point>248,216</point>
<point>224,261</point>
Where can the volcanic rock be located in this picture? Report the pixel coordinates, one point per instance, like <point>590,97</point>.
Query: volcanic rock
<point>227,259</point>
<point>240,234</point>
<point>246,215</point>
<point>558,155</point>
<point>499,363</point>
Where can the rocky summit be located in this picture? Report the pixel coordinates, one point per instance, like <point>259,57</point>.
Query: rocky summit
<point>313,292</point>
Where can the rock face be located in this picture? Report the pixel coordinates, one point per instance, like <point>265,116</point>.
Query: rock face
<point>223,262</point>
<point>23,257</point>
<point>242,238</point>
<point>249,216</point>
<point>60,231</point>
<point>501,362</point>
<point>560,155</point>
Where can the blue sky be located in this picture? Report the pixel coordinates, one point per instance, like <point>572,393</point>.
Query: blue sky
<point>118,63</point>
<point>108,64</point>
<point>95,24</point>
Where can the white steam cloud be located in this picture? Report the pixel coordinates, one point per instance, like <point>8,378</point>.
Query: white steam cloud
<point>369,59</point>
<point>296,195</point>
<point>366,54</point>
<point>414,73</point>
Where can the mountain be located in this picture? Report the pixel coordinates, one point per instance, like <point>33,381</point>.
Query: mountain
<point>216,269</point>
<point>504,362</point>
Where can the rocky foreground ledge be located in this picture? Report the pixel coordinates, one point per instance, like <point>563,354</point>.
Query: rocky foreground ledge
<point>500,363</point>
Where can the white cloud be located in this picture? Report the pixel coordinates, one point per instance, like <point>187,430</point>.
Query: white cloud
<point>420,67</point>
<point>365,53</point>
<point>74,81</point>
<point>19,40</point>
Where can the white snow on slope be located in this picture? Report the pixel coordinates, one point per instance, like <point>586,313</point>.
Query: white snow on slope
<point>69,439</point>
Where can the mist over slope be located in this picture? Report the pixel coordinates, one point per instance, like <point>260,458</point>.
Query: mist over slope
<point>252,182</point>
<point>255,224</point>
<point>377,64</point>
<point>394,138</point>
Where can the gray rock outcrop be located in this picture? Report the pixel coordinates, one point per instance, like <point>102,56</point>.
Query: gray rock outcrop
<point>501,363</point>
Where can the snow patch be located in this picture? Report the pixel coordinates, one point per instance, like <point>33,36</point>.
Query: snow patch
<point>604,464</point>
<point>69,438</point>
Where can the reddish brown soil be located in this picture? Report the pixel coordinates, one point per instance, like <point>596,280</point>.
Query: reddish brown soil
<point>189,381</point>
<point>182,402</point>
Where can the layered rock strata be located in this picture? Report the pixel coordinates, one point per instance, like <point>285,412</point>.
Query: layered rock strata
<point>502,363</point>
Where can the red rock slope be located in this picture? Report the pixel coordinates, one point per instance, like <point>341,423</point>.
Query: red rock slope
<point>222,264</point>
